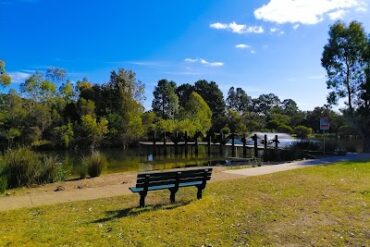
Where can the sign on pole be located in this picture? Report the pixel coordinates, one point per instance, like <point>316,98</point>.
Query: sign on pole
<point>324,123</point>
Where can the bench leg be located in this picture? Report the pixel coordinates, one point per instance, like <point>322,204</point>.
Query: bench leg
<point>173,196</point>
<point>142,199</point>
<point>199,193</point>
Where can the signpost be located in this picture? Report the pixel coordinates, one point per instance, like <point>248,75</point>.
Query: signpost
<point>324,125</point>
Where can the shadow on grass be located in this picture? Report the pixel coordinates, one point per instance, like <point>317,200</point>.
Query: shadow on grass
<point>127,212</point>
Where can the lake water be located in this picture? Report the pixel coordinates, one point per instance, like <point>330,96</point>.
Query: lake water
<point>146,158</point>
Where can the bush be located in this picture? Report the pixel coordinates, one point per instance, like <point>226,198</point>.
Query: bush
<point>95,164</point>
<point>285,129</point>
<point>21,167</point>
<point>52,170</point>
<point>3,185</point>
<point>302,131</point>
<point>82,170</point>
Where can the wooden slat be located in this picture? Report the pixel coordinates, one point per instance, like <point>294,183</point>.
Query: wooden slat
<point>173,181</point>
<point>171,175</point>
<point>162,187</point>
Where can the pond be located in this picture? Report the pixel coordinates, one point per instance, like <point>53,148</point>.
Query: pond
<point>146,158</point>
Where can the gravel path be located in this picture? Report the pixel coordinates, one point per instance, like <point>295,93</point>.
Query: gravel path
<point>118,184</point>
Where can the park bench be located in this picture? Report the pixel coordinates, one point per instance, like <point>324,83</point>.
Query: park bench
<point>171,180</point>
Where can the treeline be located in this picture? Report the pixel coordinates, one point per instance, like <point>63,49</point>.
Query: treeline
<point>49,111</point>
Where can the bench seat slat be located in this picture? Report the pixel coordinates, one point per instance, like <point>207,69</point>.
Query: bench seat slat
<point>172,174</point>
<point>162,187</point>
<point>173,181</point>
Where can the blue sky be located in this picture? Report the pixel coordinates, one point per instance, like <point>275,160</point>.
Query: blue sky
<point>262,46</point>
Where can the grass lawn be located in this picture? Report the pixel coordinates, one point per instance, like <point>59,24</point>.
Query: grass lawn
<point>318,206</point>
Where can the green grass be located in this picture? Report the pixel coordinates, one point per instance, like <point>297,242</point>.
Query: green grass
<point>318,206</point>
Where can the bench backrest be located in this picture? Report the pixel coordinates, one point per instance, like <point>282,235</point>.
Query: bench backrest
<point>148,179</point>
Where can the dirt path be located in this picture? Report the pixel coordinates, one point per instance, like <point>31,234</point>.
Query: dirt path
<point>118,184</point>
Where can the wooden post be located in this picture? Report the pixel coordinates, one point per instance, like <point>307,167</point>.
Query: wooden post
<point>164,143</point>
<point>255,145</point>
<point>196,145</point>
<point>209,144</point>
<point>175,142</point>
<point>154,139</point>
<point>186,144</point>
<point>244,145</point>
<point>265,147</point>
<point>154,143</point>
<point>221,143</point>
<point>276,146</point>
<point>233,144</point>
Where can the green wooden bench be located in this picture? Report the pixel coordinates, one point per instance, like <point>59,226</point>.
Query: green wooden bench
<point>171,180</point>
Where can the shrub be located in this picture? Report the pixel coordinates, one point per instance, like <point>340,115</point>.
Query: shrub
<point>302,131</point>
<point>285,129</point>
<point>52,170</point>
<point>95,164</point>
<point>82,169</point>
<point>21,167</point>
<point>3,184</point>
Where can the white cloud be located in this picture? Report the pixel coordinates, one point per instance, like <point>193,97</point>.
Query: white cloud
<point>307,12</point>
<point>236,28</point>
<point>336,15</point>
<point>245,47</point>
<point>242,46</point>
<point>276,30</point>
<point>18,77</point>
<point>204,62</point>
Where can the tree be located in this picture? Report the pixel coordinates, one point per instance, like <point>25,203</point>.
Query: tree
<point>198,112</point>
<point>56,75</point>
<point>289,107</point>
<point>214,98</point>
<point>38,88</point>
<point>238,100</point>
<point>343,60</point>
<point>93,130</point>
<point>265,102</point>
<point>126,95</point>
<point>166,101</point>
<point>5,79</point>
<point>183,92</point>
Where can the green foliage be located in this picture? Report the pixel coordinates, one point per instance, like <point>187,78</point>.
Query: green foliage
<point>343,60</point>
<point>302,131</point>
<point>63,135</point>
<point>92,129</point>
<point>285,129</point>
<point>95,163</point>
<point>3,184</point>
<point>166,102</point>
<point>51,171</point>
<point>5,79</point>
<point>23,167</point>
<point>197,110</point>
<point>213,96</point>
<point>235,122</point>
<point>238,100</point>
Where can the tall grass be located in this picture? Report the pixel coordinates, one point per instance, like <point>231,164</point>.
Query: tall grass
<point>23,167</point>
<point>95,163</point>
